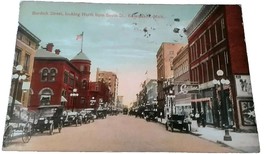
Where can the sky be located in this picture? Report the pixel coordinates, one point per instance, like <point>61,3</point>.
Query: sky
<point>122,38</point>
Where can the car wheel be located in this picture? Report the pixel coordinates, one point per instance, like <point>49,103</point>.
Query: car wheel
<point>51,132</point>
<point>172,127</point>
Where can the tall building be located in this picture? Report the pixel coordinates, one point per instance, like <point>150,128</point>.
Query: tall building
<point>111,80</point>
<point>165,56</point>
<point>181,77</point>
<point>218,63</point>
<point>56,78</point>
<point>26,45</point>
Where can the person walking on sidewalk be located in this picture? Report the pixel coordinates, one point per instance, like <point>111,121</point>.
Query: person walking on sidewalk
<point>197,116</point>
<point>203,119</point>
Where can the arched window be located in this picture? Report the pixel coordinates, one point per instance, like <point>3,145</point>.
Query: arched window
<point>44,76</point>
<point>84,84</point>
<point>52,75</point>
<point>45,96</point>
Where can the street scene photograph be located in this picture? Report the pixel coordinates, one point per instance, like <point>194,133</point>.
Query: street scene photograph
<point>106,77</point>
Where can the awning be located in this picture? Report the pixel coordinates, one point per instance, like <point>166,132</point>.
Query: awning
<point>63,99</point>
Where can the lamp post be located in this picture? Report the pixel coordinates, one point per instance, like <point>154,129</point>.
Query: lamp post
<point>92,101</point>
<point>171,96</point>
<point>17,76</point>
<point>74,94</point>
<point>224,103</point>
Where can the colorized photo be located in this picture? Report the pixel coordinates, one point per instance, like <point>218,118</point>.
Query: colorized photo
<point>99,77</point>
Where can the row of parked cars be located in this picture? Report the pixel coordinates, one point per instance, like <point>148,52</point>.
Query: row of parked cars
<point>181,121</point>
<point>51,117</point>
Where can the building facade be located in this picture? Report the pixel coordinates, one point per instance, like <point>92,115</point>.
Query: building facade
<point>99,94</point>
<point>111,80</point>
<point>26,45</point>
<point>165,56</point>
<point>217,52</point>
<point>55,78</point>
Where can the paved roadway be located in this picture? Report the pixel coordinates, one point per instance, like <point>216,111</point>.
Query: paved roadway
<point>118,134</point>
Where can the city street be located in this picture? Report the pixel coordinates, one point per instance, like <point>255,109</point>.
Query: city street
<point>120,133</point>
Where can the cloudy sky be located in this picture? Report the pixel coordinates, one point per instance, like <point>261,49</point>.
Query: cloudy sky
<point>121,38</point>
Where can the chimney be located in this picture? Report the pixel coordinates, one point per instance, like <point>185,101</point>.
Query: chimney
<point>49,47</point>
<point>57,51</point>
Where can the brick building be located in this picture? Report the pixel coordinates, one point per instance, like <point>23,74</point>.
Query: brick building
<point>99,94</point>
<point>26,45</point>
<point>165,56</point>
<point>55,77</point>
<point>216,42</point>
<point>111,79</point>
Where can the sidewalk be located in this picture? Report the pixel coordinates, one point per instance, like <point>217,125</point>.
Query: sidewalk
<point>245,142</point>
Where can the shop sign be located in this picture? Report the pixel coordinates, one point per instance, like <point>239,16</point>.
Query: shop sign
<point>184,88</point>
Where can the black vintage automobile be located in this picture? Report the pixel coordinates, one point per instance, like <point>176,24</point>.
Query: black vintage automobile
<point>48,117</point>
<point>151,115</point>
<point>125,111</point>
<point>87,116</point>
<point>180,122</point>
<point>101,113</point>
<point>72,118</point>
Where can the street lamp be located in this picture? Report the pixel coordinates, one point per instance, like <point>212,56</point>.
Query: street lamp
<point>171,96</point>
<point>224,103</point>
<point>17,76</point>
<point>92,101</point>
<point>74,94</point>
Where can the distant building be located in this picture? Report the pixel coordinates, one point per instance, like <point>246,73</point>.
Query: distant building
<point>111,80</point>
<point>151,91</point>
<point>217,42</point>
<point>99,94</point>
<point>55,77</point>
<point>165,56</point>
<point>26,45</point>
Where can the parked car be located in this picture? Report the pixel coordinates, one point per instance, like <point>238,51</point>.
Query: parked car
<point>49,117</point>
<point>151,115</point>
<point>101,113</point>
<point>87,116</point>
<point>72,118</point>
<point>180,122</point>
<point>125,111</point>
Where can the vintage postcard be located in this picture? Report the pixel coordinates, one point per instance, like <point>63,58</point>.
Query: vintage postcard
<point>106,77</point>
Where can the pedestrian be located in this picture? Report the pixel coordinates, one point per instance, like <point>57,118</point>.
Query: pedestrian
<point>203,119</point>
<point>197,116</point>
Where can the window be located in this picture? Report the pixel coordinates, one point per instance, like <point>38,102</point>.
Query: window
<point>219,31</point>
<point>81,68</point>
<point>44,76</point>
<point>52,76</point>
<point>45,97</point>
<point>207,40</point>
<point>84,84</point>
<point>223,29</point>
<point>27,62</point>
<point>66,77</point>
<point>71,79</point>
<point>82,100</point>
<point>17,57</point>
